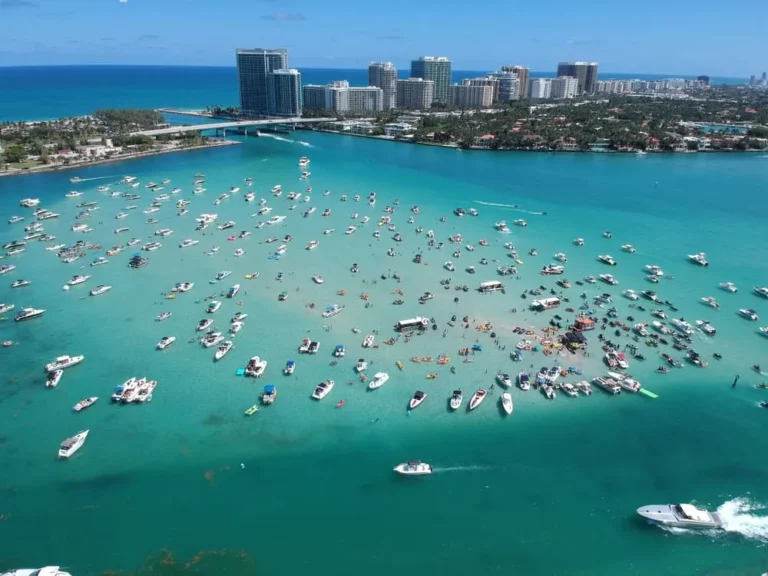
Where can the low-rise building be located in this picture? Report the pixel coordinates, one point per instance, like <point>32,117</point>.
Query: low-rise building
<point>398,129</point>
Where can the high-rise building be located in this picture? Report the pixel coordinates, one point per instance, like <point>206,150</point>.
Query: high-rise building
<point>564,87</point>
<point>436,69</point>
<point>284,93</point>
<point>509,86</point>
<point>384,75</point>
<point>415,93</point>
<point>340,97</point>
<point>467,96</point>
<point>486,81</point>
<point>522,74</point>
<point>540,88</point>
<point>315,97</point>
<point>584,72</point>
<point>253,67</point>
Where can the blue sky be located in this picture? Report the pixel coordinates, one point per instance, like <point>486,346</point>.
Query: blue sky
<point>646,36</point>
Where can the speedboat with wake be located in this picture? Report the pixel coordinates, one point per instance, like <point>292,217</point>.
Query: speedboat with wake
<point>413,468</point>
<point>681,516</point>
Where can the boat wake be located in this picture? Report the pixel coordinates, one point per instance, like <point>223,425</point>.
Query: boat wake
<point>510,206</point>
<point>738,518</point>
<point>281,139</point>
<point>460,469</point>
<point>97,178</point>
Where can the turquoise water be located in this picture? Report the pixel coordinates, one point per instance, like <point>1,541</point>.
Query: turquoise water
<point>305,486</point>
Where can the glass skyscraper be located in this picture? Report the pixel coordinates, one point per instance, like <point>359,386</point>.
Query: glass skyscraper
<point>253,68</point>
<point>284,93</point>
<point>436,69</point>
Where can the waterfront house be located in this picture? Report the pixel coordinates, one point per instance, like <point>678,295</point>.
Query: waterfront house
<point>484,141</point>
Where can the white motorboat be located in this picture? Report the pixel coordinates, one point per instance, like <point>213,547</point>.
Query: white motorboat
<point>590,279</point>
<point>729,286</point>
<point>504,379</point>
<point>225,347</point>
<point>628,248</point>
<point>312,245</point>
<point>609,279</point>
<point>700,259</point>
<point>520,222</point>
<point>710,301</point>
<point>202,325</point>
<point>63,362</point>
<point>361,365</point>
<point>28,314</point>
<point>607,259</point>
<point>501,226</point>
<point>5,268</point>
<point>151,246</point>
<point>6,308</point>
<point>236,327</point>
<point>584,387</point>
<point>351,230</point>
<point>630,294</point>
<point>641,329</point>
<point>680,516</point>
<point>30,202</point>
<point>761,291</point>
<point>211,339</point>
<point>331,311</point>
<point>764,330</point>
<point>188,243</point>
<point>239,252</point>
<point>650,295</point>
<point>506,402</point>
<point>78,279</point>
<point>165,341</point>
<point>368,341</point>
<point>100,289</point>
<point>213,306</point>
<point>54,378</point>
<point>456,398</point>
<point>15,219</point>
<point>183,287</point>
<point>72,445</point>
<point>20,283</point>
<point>232,292</point>
<point>449,266</point>
<point>561,257</point>
<point>85,403</point>
<point>417,400</point>
<point>379,379</point>
<point>654,270</point>
<point>317,278</point>
<point>413,468</point>
<point>749,314</point>
<point>706,327</point>
<point>477,398</point>
<point>100,261</point>
<point>607,384</point>
<point>256,367</point>
<point>323,389</point>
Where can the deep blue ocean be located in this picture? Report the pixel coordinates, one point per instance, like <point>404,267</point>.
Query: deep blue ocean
<point>45,92</point>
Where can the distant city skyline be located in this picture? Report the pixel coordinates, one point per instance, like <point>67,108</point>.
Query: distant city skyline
<point>195,32</point>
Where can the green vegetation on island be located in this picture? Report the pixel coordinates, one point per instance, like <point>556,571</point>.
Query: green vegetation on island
<point>106,135</point>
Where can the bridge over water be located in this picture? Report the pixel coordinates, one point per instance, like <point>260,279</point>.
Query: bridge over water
<point>232,125</point>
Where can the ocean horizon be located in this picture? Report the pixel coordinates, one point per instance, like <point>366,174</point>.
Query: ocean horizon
<point>49,92</point>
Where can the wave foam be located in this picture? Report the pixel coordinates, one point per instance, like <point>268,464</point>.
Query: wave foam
<point>282,139</point>
<point>461,469</point>
<point>737,520</point>
<point>510,206</point>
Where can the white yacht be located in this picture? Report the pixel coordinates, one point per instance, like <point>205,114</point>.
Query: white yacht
<point>63,362</point>
<point>700,259</point>
<point>211,339</point>
<point>323,389</point>
<point>100,289</point>
<point>213,306</point>
<point>561,257</point>
<point>379,379</point>
<point>413,468</point>
<point>654,270</point>
<point>368,341</point>
<point>506,402</point>
<point>204,324</point>
<point>5,268</point>
<point>239,252</point>
<point>449,266</point>
<point>682,325</point>
<point>628,248</point>
<point>317,278</point>
<point>578,242</point>
<point>761,291</point>
<point>312,245</point>
<point>28,314</point>
<point>749,314</point>
<point>30,202</point>
<point>20,283</point>
<point>641,329</point>
<point>504,379</point>
<point>590,279</point>
<point>607,259</point>
<point>706,327</point>
<point>72,445</point>
<point>78,279</point>
<point>520,222</point>
<point>256,367</point>
<point>275,220</point>
<point>225,347</point>
<point>6,308</point>
<point>630,294</point>
<point>609,279</point>
<point>710,301</point>
<point>729,287</point>
<point>188,242</point>
<point>165,341</point>
<point>351,230</point>
<point>15,219</point>
<point>680,516</point>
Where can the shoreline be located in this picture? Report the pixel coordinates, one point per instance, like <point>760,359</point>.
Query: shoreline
<point>547,151</point>
<point>46,168</point>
